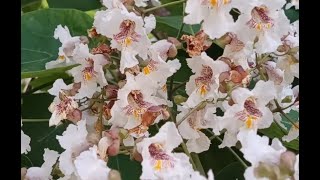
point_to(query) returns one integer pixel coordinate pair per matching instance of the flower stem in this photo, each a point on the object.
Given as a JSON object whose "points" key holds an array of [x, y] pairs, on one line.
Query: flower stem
{"points": [[198, 164], [185, 149], [170, 93], [231, 150], [190, 112], [182, 24], [285, 115], [163, 5], [35, 120]]}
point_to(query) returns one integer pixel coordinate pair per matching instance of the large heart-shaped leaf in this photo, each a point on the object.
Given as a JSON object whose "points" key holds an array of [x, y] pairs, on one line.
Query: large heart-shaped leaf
{"points": [[38, 45], [83, 5]]}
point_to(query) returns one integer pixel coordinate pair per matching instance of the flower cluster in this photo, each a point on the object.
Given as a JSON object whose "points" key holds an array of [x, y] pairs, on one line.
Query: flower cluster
{"points": [[123, 86]]}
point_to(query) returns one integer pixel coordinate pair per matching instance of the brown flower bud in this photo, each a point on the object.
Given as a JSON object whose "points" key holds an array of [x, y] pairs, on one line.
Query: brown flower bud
{"points": [[92, 32], [111, 91], [172, 52], [135, 154], [175, 42], [74, 116], [114, 147], [102, 49], [197, 43]]}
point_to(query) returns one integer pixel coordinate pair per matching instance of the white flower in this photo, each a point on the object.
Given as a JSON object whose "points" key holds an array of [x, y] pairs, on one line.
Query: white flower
{"points": [[238, 51], [140, 3], [25, 142], [160, 48], [249, 111], [158, 69], [264, 157], [203, 85], [69, 43], [214, 13], [90, 167], [62, 105], [90, 72], [290, 65], [150, 23], [263, 19], [73, 140], [143, 3], [136, 103], [127, 33], [294, 3], [191, 126], [158, 159], [43, 172], [112, 4]]}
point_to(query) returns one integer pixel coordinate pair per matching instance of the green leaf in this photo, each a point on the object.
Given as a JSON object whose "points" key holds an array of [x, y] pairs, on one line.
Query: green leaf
{"points": [[219, 159], [38, 45], [42, 136], [292, 14], [274, 132], [83, 5], [172, 24], [175, 10], [35, 106], [232, 171], [129, 169], [47, 72], [35, 113]]}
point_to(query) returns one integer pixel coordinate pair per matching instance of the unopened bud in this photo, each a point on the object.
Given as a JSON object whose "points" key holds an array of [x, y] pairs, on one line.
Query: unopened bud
{"points": [[113, 149], [135, 154], [75, 88], [165, 113], [287, 99], [264, 170], [294, 50], [114, 175], [84, 39], [92, 32], [74, 116], [283, 48], [175, 42], [111, 91], [178, 99], [287, 160], [23, 173], [172, 52]]}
